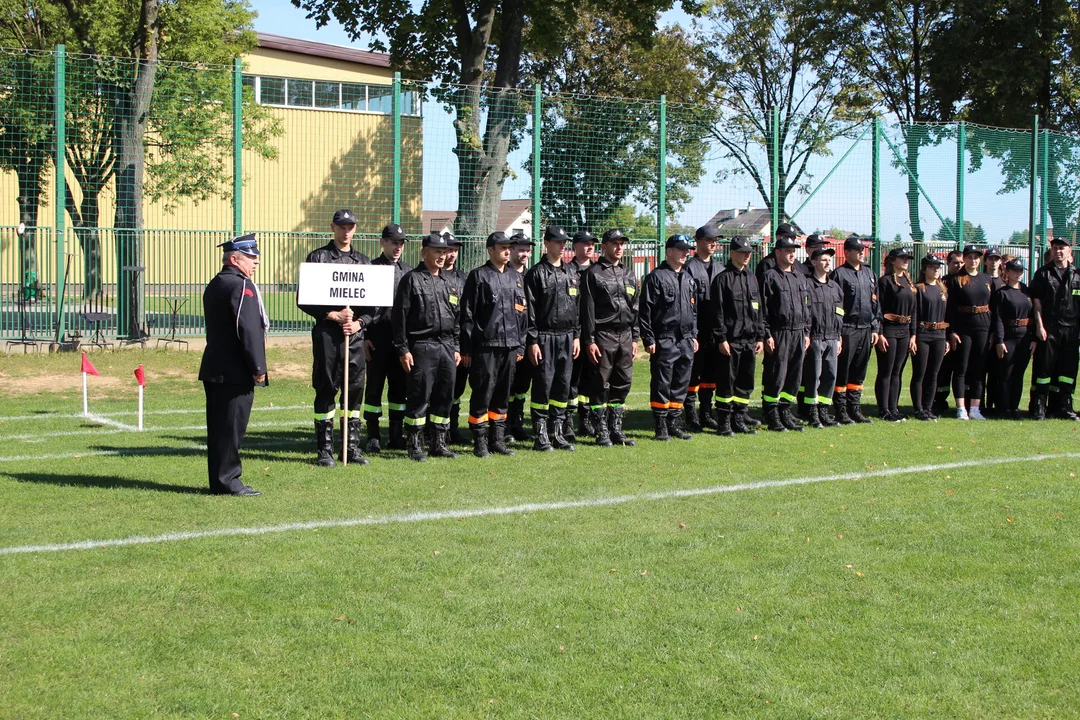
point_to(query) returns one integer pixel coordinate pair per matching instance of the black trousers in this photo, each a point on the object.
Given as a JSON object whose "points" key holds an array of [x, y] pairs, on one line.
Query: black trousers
{"points": [[228, 408], [670, 367], [783, 376], [384, 369], [608, 382], [580, 365], [491, 377], [1009, 371], [890, 372], [852, 362], [703, 373], [1056, 361], [969, 372], [328, 370], [523, 374], [819, 371], [551, 378], [735, 373], [430, 383], [925, 366]]}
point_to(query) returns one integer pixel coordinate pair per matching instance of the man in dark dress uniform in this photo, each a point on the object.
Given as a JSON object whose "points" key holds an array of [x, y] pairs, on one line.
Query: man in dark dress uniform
{"points": [[234, 361], [584, 243], [703, 269], [1055, 299], [332, 326], [523, 371], [456, 278]]}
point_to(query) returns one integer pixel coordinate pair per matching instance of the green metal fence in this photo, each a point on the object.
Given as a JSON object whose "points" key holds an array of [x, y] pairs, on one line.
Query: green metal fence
{"points": [[224, 151]]}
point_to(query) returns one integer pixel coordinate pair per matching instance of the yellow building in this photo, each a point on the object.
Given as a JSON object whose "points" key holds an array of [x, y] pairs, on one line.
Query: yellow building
{"points": [[333, 106]]}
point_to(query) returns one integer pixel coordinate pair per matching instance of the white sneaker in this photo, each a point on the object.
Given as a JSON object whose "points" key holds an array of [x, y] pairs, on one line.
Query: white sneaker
{"points": [[975, 414], [961, 414]]}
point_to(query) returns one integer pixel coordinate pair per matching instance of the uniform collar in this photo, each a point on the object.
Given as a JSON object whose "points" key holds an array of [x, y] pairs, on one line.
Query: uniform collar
{"points": [[336, 252]]}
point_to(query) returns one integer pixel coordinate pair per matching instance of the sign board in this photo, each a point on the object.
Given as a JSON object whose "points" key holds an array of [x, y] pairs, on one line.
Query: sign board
{"points": [[336, 285]]}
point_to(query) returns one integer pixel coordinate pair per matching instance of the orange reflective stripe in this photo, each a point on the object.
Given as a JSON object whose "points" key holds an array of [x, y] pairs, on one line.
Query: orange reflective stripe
{"points": [[693, 388], [675, 406], [707, 386], [854, 387], [495, 417], [840, 388], [659, 405], [478, 420]]}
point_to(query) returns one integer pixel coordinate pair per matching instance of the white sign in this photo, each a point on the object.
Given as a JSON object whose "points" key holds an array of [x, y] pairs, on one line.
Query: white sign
{"points": [[336, 285]]}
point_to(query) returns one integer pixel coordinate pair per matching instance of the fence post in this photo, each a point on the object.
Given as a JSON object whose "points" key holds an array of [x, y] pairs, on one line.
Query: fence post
{"points": [[774, 141], [1044, 189], [536, 130], [961, 171], [396, 210], [238, 146], [875, 196], [661, 200], [1033, 261], [60, 91]]}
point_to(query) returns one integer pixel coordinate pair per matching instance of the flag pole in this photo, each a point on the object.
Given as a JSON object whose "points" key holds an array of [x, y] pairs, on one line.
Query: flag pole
{"points": [[345, 413], [140, 407], [85, 409]]}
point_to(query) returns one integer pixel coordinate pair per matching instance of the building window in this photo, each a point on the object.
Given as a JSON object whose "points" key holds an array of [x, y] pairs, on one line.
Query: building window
{"points": [[328, 95]]}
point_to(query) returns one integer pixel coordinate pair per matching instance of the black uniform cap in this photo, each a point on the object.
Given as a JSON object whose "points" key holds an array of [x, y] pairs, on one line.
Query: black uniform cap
{"points": [[680, 242], [554, 232], [1060, 241], [992, 252], [972, 250], [785, 229], [393, 232], [931, 260], [818, 252], [854, 242], [706, 232], [613, 234], [451, 241], [520, 239], [813, 241], [1015, 265], [497, 238], [434, 240], [900, 253], [739, 244], [784, 242], [344, 217], [584, 236], [245, 244]]}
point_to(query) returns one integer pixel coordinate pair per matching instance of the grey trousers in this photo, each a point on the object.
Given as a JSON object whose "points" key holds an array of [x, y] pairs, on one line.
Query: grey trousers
{"points": [[819, 371]]}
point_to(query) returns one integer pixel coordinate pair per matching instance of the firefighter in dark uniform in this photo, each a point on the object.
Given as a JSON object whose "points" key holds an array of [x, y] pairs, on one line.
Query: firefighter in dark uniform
{"points": [[520, 250], [609, 335], [584, 243], [826, 342], [738, 334], [667, 314], [233, 363], [384, 367], [784, 230], [703, 269], [862, 322], [953, 262], [552, 342], [898, 300], [1011, 309], [967, 310], [787, 336], [456, 278], [492, 342], [992, 266], [930, 344], [1055, 296], [806, 269], [332, 326], [425, 324]]}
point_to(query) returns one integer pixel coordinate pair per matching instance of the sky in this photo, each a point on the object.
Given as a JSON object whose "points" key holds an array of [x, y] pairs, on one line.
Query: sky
{"points": [[843, 201]]}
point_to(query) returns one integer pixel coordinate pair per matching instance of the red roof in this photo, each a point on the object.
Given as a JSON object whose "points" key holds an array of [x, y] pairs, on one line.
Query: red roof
{"points": [[324, 50]]}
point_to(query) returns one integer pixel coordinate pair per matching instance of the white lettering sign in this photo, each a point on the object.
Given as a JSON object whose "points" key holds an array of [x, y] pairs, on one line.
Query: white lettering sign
{"points": [[341, 285]]}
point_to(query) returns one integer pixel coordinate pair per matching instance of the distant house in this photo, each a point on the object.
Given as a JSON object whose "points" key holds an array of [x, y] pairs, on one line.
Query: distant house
{"points": [[515, 216], [750, 221]]}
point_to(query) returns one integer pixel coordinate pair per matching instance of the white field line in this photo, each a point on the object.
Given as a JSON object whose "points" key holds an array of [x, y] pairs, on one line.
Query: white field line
{"points": [[133, 413], [128, 428], [106, 421], [153, 450], [437, 515]]}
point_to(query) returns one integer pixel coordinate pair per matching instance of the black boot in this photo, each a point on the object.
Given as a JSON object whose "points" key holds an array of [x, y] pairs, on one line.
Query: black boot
{"points": [[772, 417], [723, 421], [498, 438], [854, 408], [750, 420], [660, 425], [517, 421], [693, 422], [397, 430], [599, 419], [787, 419], [673, 426], [456, 435], [480, 440], [739, 422], [557, 421], [615, 427], [805, 411], [705, 410], [355, 457], [440, 448], [815, 417], [414, 443], [840, 404], [825, 416], [324, 442], [566, 417], [1038, 406], [373, 444], [1065, 411], [540, 427], [587, 422]]}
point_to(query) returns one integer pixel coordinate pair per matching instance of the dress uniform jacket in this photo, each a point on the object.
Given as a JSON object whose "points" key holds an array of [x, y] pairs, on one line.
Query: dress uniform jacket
{"points": [[608, 300], [493, 304], [667, 313], [552, 298], [329, 253], [735, 302]]}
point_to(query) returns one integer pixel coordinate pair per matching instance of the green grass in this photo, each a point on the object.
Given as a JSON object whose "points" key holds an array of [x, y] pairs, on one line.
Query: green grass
{"points": [[947, 593]]}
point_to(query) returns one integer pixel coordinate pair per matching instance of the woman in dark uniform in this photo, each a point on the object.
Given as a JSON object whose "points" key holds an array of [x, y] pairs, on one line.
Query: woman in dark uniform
{"points": [[968, 315], [1011, 309], [897, 299], [930, 344]]}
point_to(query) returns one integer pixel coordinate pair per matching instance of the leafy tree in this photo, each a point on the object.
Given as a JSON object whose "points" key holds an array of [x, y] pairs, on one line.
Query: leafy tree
{"points": [[599, 151], [948, 232], [786, 54], [475, 51]]}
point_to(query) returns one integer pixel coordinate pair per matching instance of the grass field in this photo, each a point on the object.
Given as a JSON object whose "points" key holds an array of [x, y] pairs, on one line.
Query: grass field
{"points": [[916, 570]]}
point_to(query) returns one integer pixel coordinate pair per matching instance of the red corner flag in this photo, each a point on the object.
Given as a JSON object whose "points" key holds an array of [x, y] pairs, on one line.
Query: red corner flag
{"points": [[88, 367], [140, 376]]}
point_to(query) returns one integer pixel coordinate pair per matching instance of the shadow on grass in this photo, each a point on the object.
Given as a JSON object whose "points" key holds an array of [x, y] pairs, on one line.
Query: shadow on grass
{"points": [[103, 481]]}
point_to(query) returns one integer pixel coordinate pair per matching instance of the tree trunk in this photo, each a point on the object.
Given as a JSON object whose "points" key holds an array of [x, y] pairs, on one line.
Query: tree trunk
{"points": [[912, 166], [30, 182], [132, 109], [85, 219]]}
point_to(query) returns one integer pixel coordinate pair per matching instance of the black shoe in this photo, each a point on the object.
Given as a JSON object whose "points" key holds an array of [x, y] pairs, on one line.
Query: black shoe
{"points": [[498, 438], [374, 444], [414, 443], [567, 420], [787, 420], [540, 420], [661, 428], [825, 417], [815, 418], [924, 415], [855, 413], [690, 415], [557, 424], [587, 422], [440, 448], [1014, 415], [480, 441], [723, 424], [615, 427], [740, 424], [841, 412], [599, 421], [673, 427], [247, 491], [324, 442], [772, 419]]}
